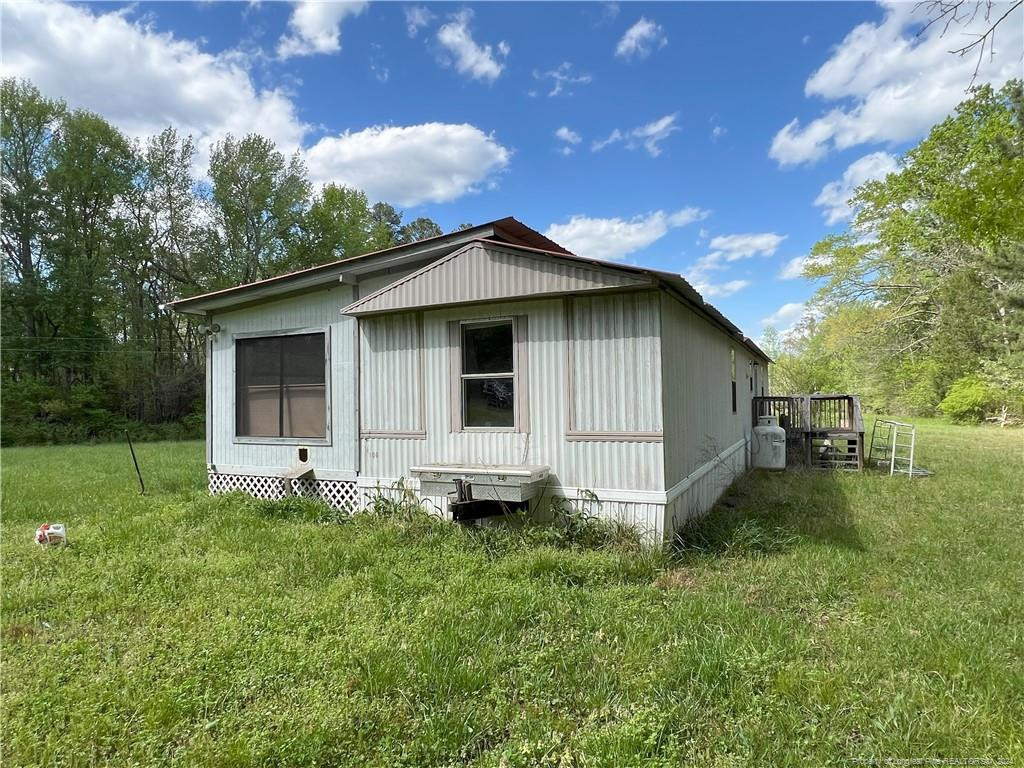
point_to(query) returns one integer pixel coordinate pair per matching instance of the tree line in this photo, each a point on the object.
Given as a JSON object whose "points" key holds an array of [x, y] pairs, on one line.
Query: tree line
{"points": [[99, 230], [920, 307]]}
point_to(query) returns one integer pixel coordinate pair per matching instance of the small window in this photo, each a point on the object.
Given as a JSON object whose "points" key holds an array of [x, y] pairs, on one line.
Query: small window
{"points": [[281, 386], [732, 357], [488, 374]]}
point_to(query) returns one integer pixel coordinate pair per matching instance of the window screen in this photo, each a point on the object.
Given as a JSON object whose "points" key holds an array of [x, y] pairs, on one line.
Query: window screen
{"points": [[281, 386], [488, 375]]}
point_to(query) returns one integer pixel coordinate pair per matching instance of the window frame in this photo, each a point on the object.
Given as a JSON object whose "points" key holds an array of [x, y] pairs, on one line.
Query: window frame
{"points": [[520, 408], [263, 440]]}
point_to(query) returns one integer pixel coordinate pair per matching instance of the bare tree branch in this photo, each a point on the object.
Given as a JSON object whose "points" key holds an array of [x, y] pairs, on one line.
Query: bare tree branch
{"points": [[948, 13]]}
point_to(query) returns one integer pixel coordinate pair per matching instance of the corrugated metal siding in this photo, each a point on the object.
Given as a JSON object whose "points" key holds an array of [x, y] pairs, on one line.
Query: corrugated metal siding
{"points": [[372, 283], [699, 422], [616, 357], [490, 273], [595, 465], [314, 310], [391, 352]]}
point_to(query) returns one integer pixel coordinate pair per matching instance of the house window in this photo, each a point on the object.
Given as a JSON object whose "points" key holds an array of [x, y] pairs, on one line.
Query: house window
{"points": [[732, 358], [488, 374], [281, 386]]}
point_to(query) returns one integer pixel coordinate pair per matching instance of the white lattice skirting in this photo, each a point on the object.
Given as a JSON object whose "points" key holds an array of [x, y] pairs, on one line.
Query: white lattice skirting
{"points": [[341, 494]]}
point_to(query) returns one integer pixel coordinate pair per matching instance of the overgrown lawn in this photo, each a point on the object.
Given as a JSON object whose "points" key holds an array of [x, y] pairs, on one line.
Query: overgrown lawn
{"points": [[810, 620]]}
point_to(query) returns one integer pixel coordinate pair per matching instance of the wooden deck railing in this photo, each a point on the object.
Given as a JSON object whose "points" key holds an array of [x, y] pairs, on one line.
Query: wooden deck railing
{"points": [[816, 424], [811, 413]]}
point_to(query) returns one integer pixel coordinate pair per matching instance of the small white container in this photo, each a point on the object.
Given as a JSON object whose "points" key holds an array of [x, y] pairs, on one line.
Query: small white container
{"points": [[51, 533], [769, 447]]}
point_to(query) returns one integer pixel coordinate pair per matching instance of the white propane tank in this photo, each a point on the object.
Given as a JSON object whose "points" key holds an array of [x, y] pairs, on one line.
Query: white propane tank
{"points": [[769, 451]]}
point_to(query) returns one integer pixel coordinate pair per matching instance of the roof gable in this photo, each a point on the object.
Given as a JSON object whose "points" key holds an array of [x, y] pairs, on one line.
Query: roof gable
{"points": [[487, 271], [508, 230]]}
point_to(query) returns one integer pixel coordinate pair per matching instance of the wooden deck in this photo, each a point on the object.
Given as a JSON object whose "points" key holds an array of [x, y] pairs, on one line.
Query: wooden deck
{"points": [[822, 431]]}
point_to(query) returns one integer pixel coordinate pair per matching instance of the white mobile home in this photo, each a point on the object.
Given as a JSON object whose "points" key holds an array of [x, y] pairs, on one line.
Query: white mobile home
{"points": [[491, 355]]}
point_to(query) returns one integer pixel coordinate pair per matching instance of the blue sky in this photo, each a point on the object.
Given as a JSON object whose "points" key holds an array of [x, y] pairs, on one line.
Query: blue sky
{"points": [[718, 140]]}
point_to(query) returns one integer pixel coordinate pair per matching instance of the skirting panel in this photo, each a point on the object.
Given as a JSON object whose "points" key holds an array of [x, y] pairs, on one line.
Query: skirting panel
{"points": [[656, 520], [705, 486], [341, 494], [648, 518]]}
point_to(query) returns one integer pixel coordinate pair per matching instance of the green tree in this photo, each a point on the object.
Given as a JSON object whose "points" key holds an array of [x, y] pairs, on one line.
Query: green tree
{"points": [[385, 226], [935, 253], [158, 373], [419, 229], [93, 168], [337, 226], [258, 202], [27, 123]]}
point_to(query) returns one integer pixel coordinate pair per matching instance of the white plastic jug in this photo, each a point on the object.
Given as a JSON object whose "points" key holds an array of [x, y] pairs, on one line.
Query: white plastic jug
{"points": [[51, 533]]}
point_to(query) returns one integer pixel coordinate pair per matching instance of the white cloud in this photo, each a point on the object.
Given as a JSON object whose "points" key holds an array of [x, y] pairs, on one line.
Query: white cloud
{"points": [[565, 133], [570, 137], [718, 132], [417, 17], [616, 238], [161, 80], [793, 268], [155, 80], [381, 71], [640, 39], [561, 76], [835, 195], [787, 314], [719, 290], [793, 145], [805, 39], [899, 83], [315, 27], [735, 247], [410, 165], [787, 319], [469, 57], [649, 136], [726, 249]]}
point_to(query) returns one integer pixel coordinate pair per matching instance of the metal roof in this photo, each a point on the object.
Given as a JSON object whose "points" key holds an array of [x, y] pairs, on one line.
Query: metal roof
{"points": [[506, 230], [675, 284]]}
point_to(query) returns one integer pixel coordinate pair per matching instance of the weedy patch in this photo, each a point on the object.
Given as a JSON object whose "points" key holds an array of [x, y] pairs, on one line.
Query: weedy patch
{"points": [[818, 620], [17, 632], [677, 578]]}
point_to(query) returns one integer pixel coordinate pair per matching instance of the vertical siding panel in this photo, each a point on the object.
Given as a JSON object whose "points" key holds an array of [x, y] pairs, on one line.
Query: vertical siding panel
{"points": [[696, 378], [390, 375], [318, 309], [616, 351], [594, 465]]}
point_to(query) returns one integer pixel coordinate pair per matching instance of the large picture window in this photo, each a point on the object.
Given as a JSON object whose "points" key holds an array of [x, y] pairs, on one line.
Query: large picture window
{"points": [[281, 386], [488, 374]]}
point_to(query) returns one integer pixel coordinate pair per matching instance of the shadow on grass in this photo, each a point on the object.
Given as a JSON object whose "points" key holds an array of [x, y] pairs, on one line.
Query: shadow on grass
{"points": [[765, 514]]}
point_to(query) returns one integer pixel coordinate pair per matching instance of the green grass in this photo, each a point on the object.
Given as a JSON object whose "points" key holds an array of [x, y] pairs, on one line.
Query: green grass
{"points": [[817, 620]]}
